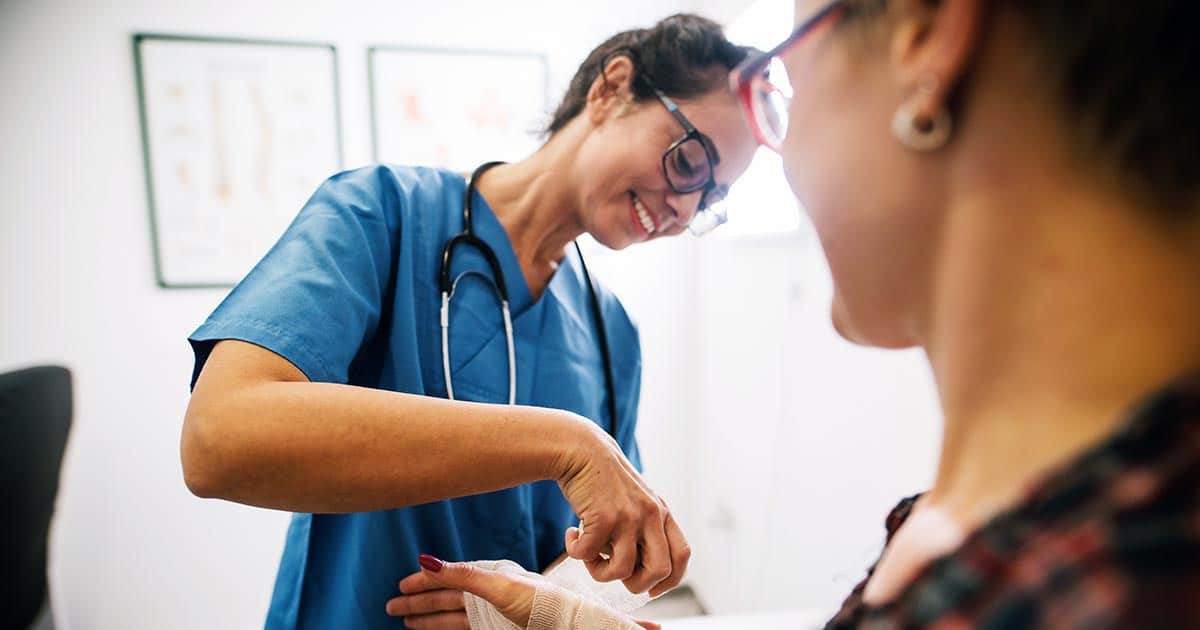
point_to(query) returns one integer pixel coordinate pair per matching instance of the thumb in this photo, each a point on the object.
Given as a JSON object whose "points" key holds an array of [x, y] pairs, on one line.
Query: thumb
{"points": [[586, 546], [572, 538], [463, 576]]}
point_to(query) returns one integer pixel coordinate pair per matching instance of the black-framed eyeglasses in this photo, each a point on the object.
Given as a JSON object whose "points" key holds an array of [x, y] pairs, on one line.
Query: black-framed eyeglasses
{"points": [[688, 166], [765, 101]]}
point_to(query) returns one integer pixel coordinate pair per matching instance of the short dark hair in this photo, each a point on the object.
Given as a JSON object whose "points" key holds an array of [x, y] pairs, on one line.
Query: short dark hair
{"points": [[1130, 73], [1128, 77], [684, 55]]}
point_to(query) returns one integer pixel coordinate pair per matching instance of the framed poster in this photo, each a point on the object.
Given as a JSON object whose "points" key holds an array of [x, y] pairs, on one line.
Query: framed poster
{"points": [[455, 109], [237, 134]]}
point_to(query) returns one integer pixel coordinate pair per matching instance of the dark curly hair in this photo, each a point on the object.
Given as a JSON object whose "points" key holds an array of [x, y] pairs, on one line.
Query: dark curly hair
{"points": [[684, 55]]}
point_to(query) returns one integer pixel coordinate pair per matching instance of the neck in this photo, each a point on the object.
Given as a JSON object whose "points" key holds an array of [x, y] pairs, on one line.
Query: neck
{"points": [[1057, 305], [534, 203]]}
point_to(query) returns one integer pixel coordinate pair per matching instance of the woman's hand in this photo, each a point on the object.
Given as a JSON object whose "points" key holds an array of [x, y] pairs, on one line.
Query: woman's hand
{"points": [[426, 605], [627, 532], [511, 595]]}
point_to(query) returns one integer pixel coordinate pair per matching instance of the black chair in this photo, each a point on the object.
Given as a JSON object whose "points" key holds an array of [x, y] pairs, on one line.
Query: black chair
{"points": [[35, 417]]}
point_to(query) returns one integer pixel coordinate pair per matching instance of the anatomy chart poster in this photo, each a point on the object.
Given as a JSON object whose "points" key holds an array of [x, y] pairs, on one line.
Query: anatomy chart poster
{"points": [[238, 136], [456, 109]]}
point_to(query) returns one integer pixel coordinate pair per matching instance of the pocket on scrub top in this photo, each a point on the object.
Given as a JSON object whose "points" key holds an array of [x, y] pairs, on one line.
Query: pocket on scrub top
{"points": [[505, 515], [478, 360]]}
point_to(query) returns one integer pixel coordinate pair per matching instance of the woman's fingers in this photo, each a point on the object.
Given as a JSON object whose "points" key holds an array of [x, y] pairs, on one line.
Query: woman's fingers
{"points": [[649, 625], [619, 511], [644, 559], [439, 621], [681, 555], [572, 538], [589, 542], [654, 557], [510, 594], [425, 603], [619, 565], [464, 577], [417, 583], [655, 562]]}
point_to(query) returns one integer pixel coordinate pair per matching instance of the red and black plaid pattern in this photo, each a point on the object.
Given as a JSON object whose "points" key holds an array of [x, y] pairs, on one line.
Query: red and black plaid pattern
{"points": [[1112, 540]]}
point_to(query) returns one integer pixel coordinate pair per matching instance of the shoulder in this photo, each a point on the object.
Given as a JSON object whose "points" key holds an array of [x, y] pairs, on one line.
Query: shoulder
{"points": [[1133, 571], [899, 515], [391, 194], [399, 183], [1130, 556]]}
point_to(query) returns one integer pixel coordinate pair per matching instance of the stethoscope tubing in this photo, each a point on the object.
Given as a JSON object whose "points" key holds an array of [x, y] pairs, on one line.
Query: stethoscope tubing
{"points": [[447, 288]]}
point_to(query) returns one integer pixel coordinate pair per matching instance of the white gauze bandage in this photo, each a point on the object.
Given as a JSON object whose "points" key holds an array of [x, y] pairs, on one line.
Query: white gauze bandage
{"points": [[567, 598]]}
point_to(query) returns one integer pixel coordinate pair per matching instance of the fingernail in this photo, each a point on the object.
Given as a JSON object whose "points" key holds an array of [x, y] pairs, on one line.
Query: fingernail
{"points": [[429, 562]]}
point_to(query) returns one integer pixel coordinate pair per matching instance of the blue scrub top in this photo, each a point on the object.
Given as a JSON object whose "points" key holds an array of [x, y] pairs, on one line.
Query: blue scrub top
{"points": [[349, 294]]}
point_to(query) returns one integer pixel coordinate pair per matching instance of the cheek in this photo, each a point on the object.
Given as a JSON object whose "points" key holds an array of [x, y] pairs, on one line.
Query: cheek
{"points": [[821, 147], [609, 164], [838, 146], [846, 171], [607, 168], [880, 261]]}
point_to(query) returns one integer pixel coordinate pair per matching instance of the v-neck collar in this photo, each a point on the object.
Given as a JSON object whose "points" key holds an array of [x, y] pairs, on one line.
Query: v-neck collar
{"points": [[520, 298]]}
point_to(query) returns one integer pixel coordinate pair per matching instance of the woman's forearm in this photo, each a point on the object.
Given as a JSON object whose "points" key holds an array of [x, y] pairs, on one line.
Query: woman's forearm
{"points": [[320, 447]]}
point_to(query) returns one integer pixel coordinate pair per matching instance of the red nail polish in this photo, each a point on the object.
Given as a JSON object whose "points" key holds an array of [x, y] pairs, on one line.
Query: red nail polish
{"points": [[429, 562]]}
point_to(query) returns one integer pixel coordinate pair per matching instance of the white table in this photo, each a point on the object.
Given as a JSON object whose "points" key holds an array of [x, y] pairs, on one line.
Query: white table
{"points": [[789, 620]]}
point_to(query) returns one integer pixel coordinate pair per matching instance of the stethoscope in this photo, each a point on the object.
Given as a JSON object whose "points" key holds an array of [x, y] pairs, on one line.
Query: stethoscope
{"points": [[500, 288]]}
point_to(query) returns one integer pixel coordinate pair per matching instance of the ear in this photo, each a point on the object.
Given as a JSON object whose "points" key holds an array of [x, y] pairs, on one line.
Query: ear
{"points": [[932, 47], [611, 91]]}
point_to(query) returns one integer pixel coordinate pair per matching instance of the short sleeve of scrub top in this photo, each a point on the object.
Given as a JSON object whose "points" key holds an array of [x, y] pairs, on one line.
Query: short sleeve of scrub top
{"points": [[349, 295]]}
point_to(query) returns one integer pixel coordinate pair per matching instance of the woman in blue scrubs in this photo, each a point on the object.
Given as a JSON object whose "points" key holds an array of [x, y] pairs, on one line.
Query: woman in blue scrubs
{"points": [[318, 385]]}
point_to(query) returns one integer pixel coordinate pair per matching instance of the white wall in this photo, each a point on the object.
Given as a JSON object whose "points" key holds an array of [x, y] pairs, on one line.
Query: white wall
{"points": [[780, 446], [802, 441], [131, 548]]}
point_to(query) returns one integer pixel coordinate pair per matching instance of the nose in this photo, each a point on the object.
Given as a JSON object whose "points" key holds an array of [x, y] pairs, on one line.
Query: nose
{"points": [[684, 206]]}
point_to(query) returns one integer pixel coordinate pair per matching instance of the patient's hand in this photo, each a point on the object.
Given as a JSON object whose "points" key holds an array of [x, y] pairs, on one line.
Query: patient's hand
{"points": [[512, 595], [427, 605]]}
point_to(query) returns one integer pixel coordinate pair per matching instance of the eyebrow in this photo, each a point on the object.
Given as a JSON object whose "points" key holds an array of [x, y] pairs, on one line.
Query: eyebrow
{"points": [[688, 126]]}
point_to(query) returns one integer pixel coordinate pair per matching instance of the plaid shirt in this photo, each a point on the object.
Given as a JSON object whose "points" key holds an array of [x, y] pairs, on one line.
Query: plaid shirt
{"points": [[1112, 540]]}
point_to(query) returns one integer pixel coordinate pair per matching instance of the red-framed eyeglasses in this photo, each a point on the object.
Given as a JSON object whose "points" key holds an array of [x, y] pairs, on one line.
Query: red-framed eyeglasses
{"points": [[765, 102]]}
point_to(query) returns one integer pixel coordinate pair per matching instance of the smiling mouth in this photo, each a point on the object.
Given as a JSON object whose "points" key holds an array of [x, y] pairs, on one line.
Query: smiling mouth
{"points": [[644, 218]]}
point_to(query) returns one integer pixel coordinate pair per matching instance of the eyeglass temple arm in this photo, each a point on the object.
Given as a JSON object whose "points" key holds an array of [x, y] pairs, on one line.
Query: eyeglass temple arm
{"points": [[758, 65], [674, 109]]}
